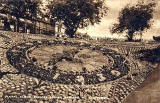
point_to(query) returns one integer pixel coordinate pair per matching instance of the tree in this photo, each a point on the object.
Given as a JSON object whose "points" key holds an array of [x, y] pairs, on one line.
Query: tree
{"points": [[15, 8], [77, 13], [134, 19], [20, 9], [33, 11]]}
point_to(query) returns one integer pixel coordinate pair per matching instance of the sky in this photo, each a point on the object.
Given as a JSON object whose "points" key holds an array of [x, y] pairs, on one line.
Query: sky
{"points": [[115, 6]]}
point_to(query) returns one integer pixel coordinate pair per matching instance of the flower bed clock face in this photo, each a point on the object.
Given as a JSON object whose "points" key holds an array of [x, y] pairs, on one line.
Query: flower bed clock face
{"points": [[69, 58], [68, 63]]}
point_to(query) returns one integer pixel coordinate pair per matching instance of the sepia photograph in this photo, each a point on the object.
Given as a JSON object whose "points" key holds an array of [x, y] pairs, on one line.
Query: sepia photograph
{"points": [[79, 51]]}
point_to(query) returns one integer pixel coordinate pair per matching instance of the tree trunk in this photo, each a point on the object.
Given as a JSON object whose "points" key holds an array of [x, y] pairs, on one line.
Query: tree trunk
{"points": [[6, 25], [24, 27], [130, 39], [18, 21], [141, 36], [39, 28], [35, 29], [15, 26], [54, 28], [70, 32], [130, 35]]}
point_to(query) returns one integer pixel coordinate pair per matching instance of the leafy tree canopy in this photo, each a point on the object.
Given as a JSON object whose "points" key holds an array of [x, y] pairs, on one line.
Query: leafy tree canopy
{"points": [[134, 19], [77, 13], [20, 8]]}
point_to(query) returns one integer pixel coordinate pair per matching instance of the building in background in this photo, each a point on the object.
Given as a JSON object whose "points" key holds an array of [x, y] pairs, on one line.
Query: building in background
{"points": [[8, 22]]}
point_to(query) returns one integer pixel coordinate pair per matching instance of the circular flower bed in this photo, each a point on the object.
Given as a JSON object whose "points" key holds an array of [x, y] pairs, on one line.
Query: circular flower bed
{"points": [[110, 66]]}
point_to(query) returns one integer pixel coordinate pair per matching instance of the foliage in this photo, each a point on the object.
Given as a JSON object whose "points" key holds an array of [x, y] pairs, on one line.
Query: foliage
{"points": [[32, 9], [150, 55], [134, 19], [77, 13], [20, 8]]}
